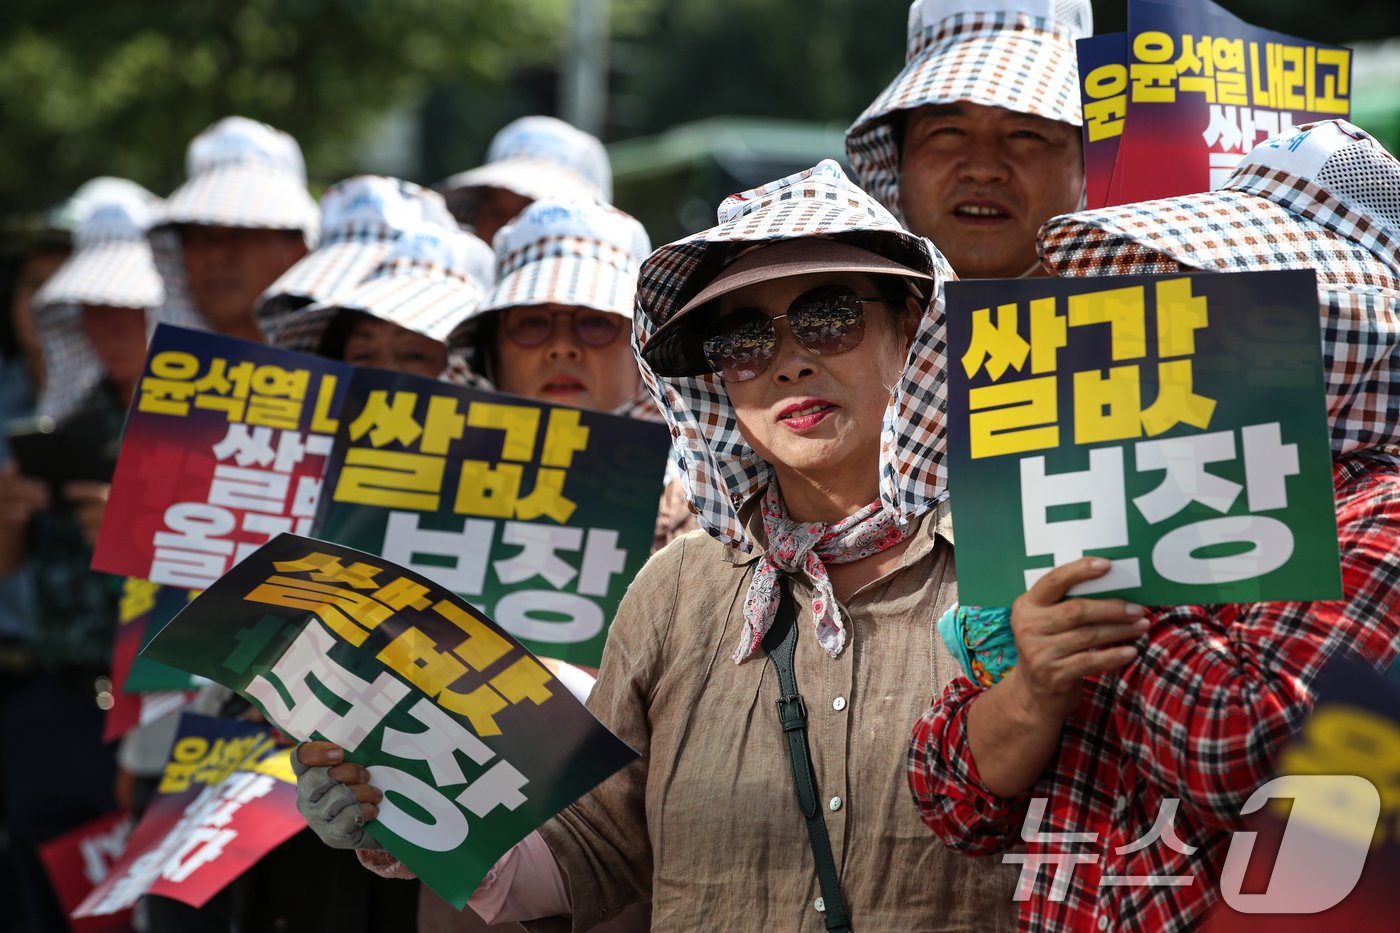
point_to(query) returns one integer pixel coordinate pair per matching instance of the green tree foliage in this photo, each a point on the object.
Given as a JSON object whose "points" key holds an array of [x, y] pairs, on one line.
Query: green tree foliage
{"points": [[119, 87]]}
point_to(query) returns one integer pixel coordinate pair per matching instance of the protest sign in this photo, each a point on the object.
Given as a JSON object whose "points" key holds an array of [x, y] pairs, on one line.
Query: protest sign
{"points": [[144, 609], [1323, 847], [224, 448], [1174, 424], [227, 797], [472, 740], [1194, 90], [143, 690], [539, 516], [79, 860]]}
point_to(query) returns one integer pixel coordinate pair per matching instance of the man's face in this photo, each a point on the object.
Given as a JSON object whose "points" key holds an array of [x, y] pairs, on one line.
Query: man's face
{"points": [[979, 181], [229, 267]]}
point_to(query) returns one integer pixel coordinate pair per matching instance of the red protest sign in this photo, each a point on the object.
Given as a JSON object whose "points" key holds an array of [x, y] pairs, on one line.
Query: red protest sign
{"points": [[224, 449], [227, 798], [1173, 106], [79, 860]]}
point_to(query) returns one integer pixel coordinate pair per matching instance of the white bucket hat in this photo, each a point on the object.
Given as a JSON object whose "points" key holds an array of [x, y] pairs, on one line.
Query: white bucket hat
{"points": [[431, 278], [361, 217], [111, 264], [1016, 54], [580, 253], [542, 157], [244, 174], [1324, 196], [570, 253], [720, 471]]}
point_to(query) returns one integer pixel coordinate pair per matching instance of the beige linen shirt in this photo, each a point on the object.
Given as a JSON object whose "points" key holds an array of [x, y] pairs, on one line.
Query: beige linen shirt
{"points": [[706, 823]]}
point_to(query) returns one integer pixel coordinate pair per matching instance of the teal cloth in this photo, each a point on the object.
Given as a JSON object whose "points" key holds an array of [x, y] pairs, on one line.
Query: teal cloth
{"points": [[981, 639]]}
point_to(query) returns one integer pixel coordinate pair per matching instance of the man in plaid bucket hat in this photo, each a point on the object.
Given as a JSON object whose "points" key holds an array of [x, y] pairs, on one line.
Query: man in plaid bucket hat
{"points": [[796, 351], [1194, 714], [976, 142], [529, 159], [241, 219], [91, 319]]}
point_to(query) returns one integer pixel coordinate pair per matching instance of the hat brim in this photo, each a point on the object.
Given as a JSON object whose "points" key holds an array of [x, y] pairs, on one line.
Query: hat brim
{"points": [[118, 273], [674, 349], [327, 272], [535, 179], [246, 197], [572, 281], [1223, 231]]}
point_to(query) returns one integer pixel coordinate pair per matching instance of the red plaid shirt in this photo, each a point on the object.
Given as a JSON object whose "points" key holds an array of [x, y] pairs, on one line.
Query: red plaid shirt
{"points": [[1199, 717]]}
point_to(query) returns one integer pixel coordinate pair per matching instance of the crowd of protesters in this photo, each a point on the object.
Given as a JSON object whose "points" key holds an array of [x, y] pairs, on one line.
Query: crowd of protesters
{"points": [[797, 351]]}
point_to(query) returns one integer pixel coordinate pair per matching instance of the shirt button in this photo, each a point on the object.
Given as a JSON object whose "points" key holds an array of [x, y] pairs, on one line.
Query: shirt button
{"points": [[835, 803], [820, 905], [838, 704], [1103, 921]]}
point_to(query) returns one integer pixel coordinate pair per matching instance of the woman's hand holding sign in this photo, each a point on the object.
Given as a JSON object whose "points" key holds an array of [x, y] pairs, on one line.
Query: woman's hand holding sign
{"points": [[335, 796], [1014, 728]]}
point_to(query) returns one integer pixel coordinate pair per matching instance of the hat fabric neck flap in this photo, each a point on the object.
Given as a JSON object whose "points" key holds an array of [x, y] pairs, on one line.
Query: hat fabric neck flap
{"points": [[719, 471]]}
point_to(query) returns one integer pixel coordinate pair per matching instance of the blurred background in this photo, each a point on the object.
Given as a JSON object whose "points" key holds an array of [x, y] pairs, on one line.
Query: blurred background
{"points": [[696, 98]]}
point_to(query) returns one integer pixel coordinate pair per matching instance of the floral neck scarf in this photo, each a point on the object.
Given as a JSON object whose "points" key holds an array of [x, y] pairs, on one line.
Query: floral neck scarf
{"points": [[806, 548]]}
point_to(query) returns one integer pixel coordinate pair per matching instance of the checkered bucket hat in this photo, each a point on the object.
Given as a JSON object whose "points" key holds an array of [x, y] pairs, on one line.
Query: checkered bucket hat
{"points": [[111, 265], [719, 470], [242, 173], [430, 279], [567, 252], [361, 217], [1324, 196], [1016, 54], [541, 157]]}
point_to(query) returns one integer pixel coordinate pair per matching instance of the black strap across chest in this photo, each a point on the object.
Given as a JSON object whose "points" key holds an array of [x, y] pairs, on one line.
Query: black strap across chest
{"points": [[781, 644]]}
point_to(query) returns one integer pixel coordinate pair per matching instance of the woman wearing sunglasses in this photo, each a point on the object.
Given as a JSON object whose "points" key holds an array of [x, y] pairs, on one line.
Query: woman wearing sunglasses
{"points": [[796, 351], [555, 326]]}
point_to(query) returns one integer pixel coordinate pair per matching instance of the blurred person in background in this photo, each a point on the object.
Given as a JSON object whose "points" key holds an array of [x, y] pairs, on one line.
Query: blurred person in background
{"points": [[976, 142], [529, 159], [21, 371], [241, 220], [91, 318]]}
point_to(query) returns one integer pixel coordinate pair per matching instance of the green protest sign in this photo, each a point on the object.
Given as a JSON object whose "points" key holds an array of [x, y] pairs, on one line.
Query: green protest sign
{"points": [[538, 515], [474, 742], [1175, 424]]}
